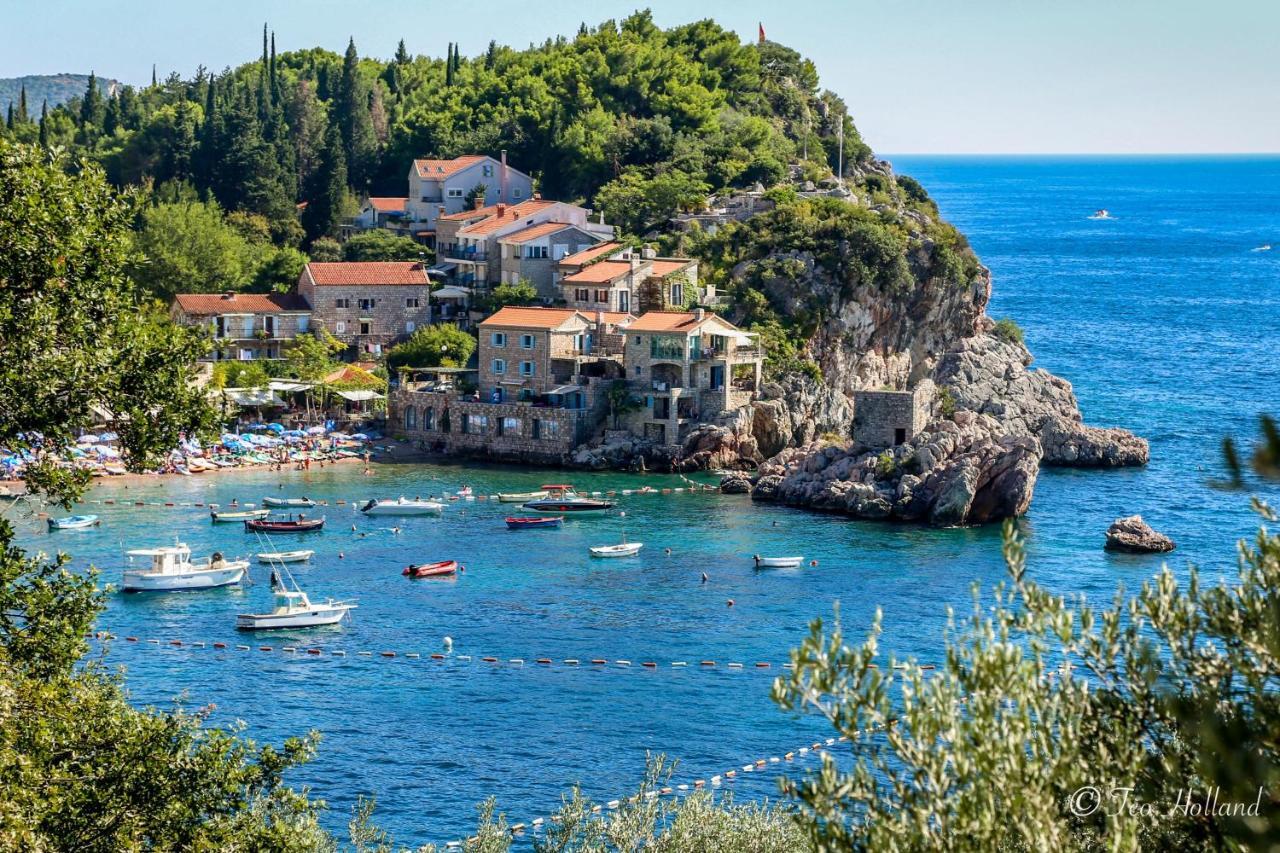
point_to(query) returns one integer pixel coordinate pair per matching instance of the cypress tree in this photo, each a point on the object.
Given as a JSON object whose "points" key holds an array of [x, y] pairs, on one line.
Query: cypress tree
{"points": [[8, 122], [351, 112], [457, 59], [327, 187], [153, 75], [23, 116], [275, 80], [448, 66], [402, 55], [111, 116], [491, 55], [44, 130], [91, 106]]}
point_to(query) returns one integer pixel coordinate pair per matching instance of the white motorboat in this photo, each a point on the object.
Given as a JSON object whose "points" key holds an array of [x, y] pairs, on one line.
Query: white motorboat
{"points": [[285, 556], [237, 515], [563, 500], [777, 562], [625, 549], [289, 502], [402, 506], [172, 569], [73, 522], [293, 609], [519, 497]]}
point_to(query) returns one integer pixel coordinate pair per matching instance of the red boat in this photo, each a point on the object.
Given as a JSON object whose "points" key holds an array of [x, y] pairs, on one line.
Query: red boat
{"points": [[444, 568], [301, 524], [534, 522]]}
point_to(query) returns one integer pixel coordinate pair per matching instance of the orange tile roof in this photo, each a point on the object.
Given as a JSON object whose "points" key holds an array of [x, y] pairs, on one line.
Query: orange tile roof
{"points": [[208, 304], [670, 321], [533, 232], [439, 169], [530, 318], [665, 267], [615, 318], [588, 255], [367, 272], [387, 204], [509, 215], [601, 272]]}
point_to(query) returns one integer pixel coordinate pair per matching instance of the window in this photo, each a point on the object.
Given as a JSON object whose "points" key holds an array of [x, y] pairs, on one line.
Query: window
{"points": [[342, 303], [498, 339], [637, 370], [365, 327], [535, 251], [581, 294], [526, 341], [637, 340], [409, 326], [602, 296], [624, 301], [535, 428], [499, 366], [410, 418], [454, 193], [367, 304], [411, 302], [515, 193], [487, 170], [475, 424], [526, 368], [429, 418], [551, 429], [340, 327], [510, 426], [677, 294]]}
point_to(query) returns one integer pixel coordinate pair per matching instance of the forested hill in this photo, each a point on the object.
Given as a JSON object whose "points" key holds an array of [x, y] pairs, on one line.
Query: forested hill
{"points": [[54, 89], [663, 116]]}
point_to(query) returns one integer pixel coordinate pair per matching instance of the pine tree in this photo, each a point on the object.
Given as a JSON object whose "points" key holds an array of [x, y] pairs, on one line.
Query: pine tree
{"points": [[351, 111], [491, 55], [402, 55], [44, 130], [91, 106], [327, 188]]}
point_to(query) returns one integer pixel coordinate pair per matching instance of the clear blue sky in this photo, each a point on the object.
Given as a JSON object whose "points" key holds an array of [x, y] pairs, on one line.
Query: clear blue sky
{"points": [[985, 76]]}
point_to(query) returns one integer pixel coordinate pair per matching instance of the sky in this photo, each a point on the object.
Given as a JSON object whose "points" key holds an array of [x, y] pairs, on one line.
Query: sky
{"points": [[920, 76]]}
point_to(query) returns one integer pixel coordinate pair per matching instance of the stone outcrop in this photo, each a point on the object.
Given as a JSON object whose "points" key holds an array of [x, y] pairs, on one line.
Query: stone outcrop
{"points": [[962, 471], [1072, 443], [1135, 536]]}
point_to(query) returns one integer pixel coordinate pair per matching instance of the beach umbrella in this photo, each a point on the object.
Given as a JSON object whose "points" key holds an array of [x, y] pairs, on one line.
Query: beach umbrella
{"points": [[87, 438], [276, 428], [108, 436], [103, 450], [360, 437], [316, 430], [294, 432], [257, 427]]}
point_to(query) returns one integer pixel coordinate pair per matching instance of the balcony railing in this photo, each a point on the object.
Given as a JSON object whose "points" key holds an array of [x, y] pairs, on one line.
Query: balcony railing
{"points": [[733, 353]]}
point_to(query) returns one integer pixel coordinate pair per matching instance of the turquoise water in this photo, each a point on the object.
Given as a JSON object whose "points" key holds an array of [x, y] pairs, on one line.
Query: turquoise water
{"points": [[1163, 319]]}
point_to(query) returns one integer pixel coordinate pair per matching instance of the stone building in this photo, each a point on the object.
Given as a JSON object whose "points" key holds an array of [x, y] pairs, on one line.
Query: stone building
{"points": [[689, 368], [367, 305], [529, 253], [442, 186], [630, 280], [245, 326], [543, 354], [883, 419]]}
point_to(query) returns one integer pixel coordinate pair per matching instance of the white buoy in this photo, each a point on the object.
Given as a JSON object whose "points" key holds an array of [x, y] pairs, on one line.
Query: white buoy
{"points": [[448, 644]]}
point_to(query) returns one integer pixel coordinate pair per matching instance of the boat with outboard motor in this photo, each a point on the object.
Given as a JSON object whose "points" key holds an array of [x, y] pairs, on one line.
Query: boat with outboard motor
{"points": [[172, 569], [402, 506], [237, 515], [301, 524], [534, 523], [562, 499], [73, 522], [293, 609], [441, 569]]}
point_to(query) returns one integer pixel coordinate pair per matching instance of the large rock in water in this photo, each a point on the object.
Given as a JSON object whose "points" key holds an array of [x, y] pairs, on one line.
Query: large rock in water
{"points": [[1135, 536], [1068, 442]]}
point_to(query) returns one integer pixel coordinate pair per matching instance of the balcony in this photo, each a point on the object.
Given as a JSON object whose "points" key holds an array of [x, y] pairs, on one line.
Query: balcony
{"points": [[674, 351], [466, 255], [730, 353]]}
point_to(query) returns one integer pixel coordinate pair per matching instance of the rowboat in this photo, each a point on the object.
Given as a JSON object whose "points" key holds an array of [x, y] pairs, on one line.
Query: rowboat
{"points": [[293, 609], [172, 569], [285, 556], [777, 562], [623, 549], [402, 506], [444, 568], [562, 499], [284, 525], [72, 522], [519, 497], [289, 502], [535, 523], [238, 515]]}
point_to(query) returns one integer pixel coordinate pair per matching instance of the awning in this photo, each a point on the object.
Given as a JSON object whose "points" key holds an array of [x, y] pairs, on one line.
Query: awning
{"points": [[443, 268], [252, 397], [288, 387], [564, 389], [359, 396], [450, 292]]}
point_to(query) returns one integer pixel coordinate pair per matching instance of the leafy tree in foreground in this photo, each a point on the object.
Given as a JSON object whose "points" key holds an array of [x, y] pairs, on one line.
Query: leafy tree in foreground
{"points": [[381, 245], [437, 345]]}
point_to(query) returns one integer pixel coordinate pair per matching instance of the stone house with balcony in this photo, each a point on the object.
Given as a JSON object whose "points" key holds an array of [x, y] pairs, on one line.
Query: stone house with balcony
{"points": [[383, 212], [628, 280], [530, 252], [689, 368], [368, 305], [245, 326], [442, 186]]}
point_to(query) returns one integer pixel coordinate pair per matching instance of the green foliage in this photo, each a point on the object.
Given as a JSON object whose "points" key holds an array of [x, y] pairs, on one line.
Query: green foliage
{"points": [[946, 403], [437, 345], [325, 250], [310, 358], [1008, 331], [637, 203], [621, 401], [382, 245], [886, 465], [521, 292], [239, 374], [188, 247]]}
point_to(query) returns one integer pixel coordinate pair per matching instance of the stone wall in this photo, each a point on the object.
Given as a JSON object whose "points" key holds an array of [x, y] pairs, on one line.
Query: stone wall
{"points": [[509, 431], [390, 317], [888, 418]]}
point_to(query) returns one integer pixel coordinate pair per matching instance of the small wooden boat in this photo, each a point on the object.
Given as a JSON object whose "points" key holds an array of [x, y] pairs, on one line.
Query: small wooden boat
{"points": [[72, 522], [777, 562], [284, 525], [238, 515], [562, 499], [623, 549], [519, 497], [289, 502], [402, 506], [533, 523], [285, 556], [444, 568]]}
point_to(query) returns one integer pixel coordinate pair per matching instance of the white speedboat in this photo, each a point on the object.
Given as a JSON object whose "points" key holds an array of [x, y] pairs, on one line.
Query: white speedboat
{"points": [[72, 522], [293, 609], [233, 516], [623, 549], [777, 562], [402, 506], [519, 497], [289, 502], [563, 500], [285, 556], [172, 569]]}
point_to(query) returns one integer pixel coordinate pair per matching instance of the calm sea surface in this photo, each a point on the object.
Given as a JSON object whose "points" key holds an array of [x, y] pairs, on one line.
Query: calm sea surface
{"points": [[1164, 319]]}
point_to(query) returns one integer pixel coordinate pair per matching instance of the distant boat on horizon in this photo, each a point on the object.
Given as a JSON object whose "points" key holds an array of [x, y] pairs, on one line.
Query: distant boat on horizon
{"points": [[1265, 247]]}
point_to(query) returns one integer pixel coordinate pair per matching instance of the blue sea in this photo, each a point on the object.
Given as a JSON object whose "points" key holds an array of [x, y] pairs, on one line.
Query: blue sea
{"points": [[1165, 318]]}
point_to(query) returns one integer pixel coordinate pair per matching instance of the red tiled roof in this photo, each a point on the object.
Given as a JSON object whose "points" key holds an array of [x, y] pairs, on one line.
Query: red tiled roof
{"points": [[664, 268], [533, 232], [601, 272], [208, 304], [616, 318], [671, 321], [387, 204], [509, 215], [529, 318], [367, 272], [444, 168], [588, 255]]}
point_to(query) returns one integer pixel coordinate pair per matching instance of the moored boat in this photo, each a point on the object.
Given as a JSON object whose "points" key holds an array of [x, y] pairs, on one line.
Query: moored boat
{"points": [[289, 502], [237, 515], [443, 568], [777, 562], [623, 549], [519, 497], [72, 522], [300, 556], [534, 523], [402, 506], [301, 524], [172, 569], [293, 609], [562, 499]]}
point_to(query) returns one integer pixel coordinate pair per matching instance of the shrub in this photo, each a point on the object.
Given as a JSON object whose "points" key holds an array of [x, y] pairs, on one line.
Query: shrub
{"points": [[885, 465], [946, 403], [1008, 331]]}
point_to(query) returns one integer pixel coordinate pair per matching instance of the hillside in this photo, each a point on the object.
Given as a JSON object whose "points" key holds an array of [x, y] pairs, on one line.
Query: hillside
{"points": [[57, 89]]}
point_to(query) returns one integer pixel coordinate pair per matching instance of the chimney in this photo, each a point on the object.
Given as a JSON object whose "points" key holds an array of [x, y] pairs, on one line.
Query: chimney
{"points": [[600, 318], [440, 211], [648, 253], [502, 191], [635, 262], [228, 294], [477, 203], [537, 196], [502, 210], [699, 314]]}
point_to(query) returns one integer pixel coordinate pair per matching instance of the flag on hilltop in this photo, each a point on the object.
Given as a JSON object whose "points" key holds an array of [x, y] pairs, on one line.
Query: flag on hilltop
{"points": [[761, 33]]}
